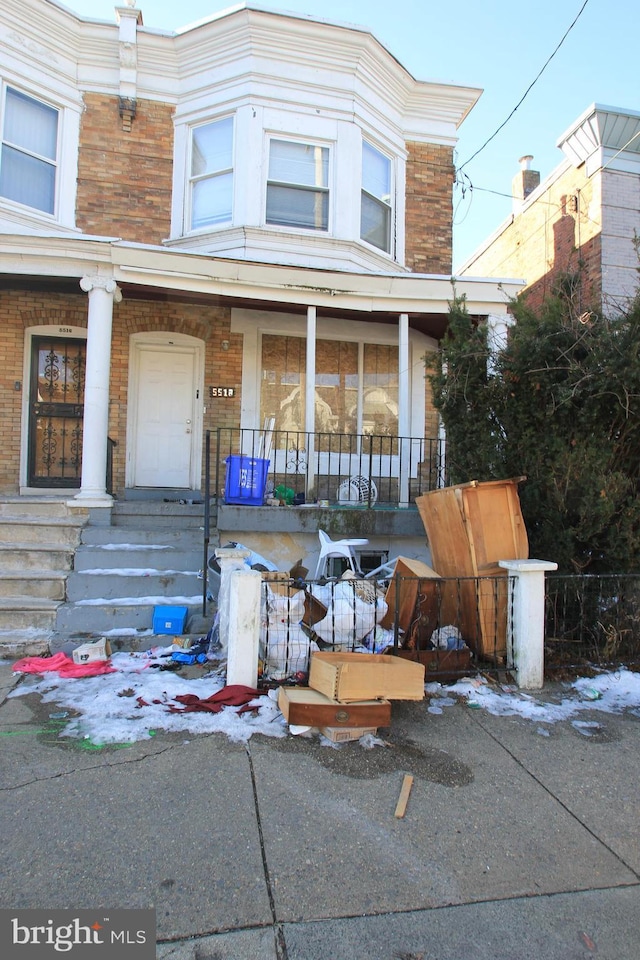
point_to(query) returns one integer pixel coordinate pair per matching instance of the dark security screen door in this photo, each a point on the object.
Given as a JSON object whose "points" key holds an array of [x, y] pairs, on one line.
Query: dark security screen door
{"points": [[56, 411]]}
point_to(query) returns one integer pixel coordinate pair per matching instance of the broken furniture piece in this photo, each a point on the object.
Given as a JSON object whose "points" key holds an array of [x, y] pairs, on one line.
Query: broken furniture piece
{"points": [[470, 527]]}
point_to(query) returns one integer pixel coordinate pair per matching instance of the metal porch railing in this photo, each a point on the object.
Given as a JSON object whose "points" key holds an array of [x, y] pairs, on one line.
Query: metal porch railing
{"points": [[334, 468]]}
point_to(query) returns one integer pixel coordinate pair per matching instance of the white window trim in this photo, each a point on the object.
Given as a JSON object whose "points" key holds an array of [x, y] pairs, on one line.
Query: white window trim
{"points": [[189, 180], [393, 205], [67, 147], [311, 141]]}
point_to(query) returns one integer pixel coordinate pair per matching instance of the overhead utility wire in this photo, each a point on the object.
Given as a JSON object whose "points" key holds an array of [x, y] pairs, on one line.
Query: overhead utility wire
{"points": [[529, 88]]}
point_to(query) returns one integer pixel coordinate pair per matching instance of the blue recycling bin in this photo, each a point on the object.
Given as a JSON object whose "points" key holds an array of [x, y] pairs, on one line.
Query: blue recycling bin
{"points": [[246, 480]]}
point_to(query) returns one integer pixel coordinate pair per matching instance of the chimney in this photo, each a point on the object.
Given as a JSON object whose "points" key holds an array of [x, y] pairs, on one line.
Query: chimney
{"points": [[524, 182]]}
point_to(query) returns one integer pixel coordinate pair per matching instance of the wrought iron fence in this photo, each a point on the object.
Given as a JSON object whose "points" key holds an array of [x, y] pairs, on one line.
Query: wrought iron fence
{"points": [[353, 469], [452, 626], [592, 619]]}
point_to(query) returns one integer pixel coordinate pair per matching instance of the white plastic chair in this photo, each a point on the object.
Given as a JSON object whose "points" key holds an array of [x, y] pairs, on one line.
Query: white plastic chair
{"points": [[338, 548]]}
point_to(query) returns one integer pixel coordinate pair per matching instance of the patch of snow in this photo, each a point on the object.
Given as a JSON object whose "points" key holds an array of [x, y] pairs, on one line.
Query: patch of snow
{"points": [[610, 692], [137, 601], [109, 711], [137, 572], [130, 546]]}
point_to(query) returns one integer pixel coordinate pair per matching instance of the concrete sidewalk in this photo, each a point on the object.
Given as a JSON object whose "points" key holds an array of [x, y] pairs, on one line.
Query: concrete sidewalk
{"points": [[514, 845]]}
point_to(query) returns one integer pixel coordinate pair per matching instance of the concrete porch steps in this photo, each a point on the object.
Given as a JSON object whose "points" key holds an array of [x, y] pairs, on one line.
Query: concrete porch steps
{"points": [[38, 538], [63, 581], [150, 556]]}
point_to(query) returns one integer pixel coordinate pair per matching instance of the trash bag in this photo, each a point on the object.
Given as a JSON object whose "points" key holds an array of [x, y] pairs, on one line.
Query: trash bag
{"points": [[447, 638], [283, 644], [352, 613]]}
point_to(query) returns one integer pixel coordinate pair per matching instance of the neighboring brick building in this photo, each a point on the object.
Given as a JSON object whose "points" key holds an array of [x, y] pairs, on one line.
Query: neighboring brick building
{"points": [[580, 222], [246, 220]]}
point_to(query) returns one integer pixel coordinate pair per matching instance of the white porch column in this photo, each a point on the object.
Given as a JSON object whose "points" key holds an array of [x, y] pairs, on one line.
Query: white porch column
{"points": [[497, 330], [525, 625], [404, 410], [230, 560], [310, 397], [244, 627], [102, 294]]}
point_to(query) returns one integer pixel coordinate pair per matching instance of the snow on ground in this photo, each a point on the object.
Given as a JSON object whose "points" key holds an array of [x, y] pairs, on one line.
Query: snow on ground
{"points": [[106, 710], [610, 692], [109, 712], [136, 601], [138, 572]]}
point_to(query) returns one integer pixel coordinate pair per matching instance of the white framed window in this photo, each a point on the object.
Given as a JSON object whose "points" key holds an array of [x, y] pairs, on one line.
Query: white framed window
{"points": [[211, 174], [375, 204], [29, 156], [298, 185]]}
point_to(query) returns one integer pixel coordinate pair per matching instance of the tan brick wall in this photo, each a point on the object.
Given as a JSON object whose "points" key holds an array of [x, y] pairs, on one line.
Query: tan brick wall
{"points": [[20, 309], [222, 368], [553, 235], [125, 178], [428, 220]]}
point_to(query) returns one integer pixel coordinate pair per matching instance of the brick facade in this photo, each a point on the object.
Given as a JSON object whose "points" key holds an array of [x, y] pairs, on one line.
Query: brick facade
{"points": [[209, 324], [22, 309], [428, 218], [557, 233], [125, 177]]}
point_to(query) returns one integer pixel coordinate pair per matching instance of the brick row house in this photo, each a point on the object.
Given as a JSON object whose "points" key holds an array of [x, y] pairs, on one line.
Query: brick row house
{"points": [[240, 224], [579, 223]]}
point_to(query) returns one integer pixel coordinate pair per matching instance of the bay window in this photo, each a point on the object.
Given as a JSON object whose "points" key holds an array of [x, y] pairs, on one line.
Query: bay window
{"points": [[298, 185], [375, 209], [211, 178], [29, 158]]}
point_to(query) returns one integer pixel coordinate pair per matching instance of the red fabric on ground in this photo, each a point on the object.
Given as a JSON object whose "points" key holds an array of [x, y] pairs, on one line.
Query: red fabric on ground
{"points": [[63, 666], [235, 695]]}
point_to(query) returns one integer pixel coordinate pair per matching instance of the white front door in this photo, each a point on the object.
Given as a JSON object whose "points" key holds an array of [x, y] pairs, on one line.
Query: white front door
{"points": [[165, 413]]}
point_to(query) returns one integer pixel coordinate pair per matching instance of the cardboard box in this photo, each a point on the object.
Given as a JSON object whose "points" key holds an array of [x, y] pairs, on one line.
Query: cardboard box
{"points": [[91, 652], [346, 734], [350, 677], [307, 707]]}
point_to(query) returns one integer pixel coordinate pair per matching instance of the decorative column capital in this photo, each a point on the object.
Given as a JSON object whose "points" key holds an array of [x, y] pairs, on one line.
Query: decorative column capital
{"points": [[108, 284]]}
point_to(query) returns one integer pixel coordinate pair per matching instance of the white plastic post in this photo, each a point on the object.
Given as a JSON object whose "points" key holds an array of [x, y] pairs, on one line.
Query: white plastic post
{"points": [[525, 623], [229, 559], [244, 627]]}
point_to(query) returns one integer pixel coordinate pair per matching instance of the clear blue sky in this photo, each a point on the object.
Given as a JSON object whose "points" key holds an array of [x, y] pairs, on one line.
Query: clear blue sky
{"points": [[497, 45]]}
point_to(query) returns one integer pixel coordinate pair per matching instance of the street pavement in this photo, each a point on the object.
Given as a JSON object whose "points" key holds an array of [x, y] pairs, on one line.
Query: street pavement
{"points": [[514, 845]]}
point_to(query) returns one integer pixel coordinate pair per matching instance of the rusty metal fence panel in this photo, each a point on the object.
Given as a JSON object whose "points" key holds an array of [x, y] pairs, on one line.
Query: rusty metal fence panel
{"points": [[592, 619]]}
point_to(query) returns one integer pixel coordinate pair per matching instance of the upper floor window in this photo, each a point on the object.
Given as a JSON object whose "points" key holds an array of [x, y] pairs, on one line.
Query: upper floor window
{"points": [[28, 162], [375, 209], [298, 185], [211, 173]]}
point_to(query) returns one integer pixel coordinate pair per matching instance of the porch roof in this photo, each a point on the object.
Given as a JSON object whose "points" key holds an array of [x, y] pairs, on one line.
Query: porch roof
{"points": [[57, 262]]}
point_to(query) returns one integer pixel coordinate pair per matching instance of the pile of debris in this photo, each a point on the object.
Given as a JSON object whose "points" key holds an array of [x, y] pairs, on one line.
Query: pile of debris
{"points": [[349, 694]]}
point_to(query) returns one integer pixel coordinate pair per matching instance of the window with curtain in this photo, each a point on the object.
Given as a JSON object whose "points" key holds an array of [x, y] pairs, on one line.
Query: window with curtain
{"points": [[283, 381], [375, 209], [345, 377], [298, 185], [380, 390], [28, 162], [211, 178]]}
